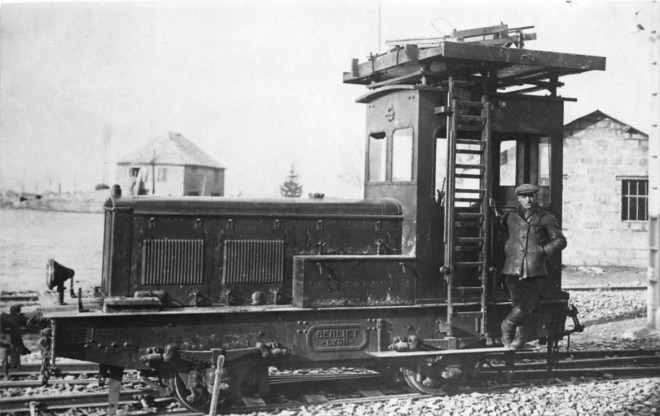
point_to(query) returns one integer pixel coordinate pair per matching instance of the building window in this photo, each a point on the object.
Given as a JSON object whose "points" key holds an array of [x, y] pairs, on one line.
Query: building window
{"points": [[634, 200], [161, 175]]}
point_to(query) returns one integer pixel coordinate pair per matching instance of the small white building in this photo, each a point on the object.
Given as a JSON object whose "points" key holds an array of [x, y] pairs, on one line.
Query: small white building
{"points": [[606, 187], [171, 165]]}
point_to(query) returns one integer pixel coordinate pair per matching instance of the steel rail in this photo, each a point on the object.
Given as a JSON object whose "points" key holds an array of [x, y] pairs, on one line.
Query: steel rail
{"points": [[588, 354], [65, 368], [645, 371], [8, 384], [591, 363], [73, 400], [99, 399]]}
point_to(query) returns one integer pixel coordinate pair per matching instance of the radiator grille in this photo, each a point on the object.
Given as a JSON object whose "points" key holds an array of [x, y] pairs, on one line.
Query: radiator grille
{"points": [[172, 262], [254, 261]]}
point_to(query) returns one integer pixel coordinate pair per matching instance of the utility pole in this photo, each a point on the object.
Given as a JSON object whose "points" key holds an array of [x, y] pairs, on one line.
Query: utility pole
{"points": [[153, 173], [107, 153], [380, 5], [653, 291]]}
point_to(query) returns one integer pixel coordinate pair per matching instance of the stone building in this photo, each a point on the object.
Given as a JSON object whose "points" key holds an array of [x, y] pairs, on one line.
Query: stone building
{"points": [[171, 165], [605, 214]]}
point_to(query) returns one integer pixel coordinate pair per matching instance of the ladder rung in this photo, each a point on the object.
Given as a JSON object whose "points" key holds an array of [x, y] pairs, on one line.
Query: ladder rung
{"points": [[470, 151], [469, 190], [467, 175], [465, 117], [466, 304], [468, 224], [475, 314], [467, 248], [474, 199], [474, 104], [469, 127], [470, 239], [470, 214], [471, 142], [470, 166]]}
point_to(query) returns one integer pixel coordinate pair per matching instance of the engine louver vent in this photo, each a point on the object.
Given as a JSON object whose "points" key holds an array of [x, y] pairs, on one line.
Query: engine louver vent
{"points": [[172, 262], [254, 261]]}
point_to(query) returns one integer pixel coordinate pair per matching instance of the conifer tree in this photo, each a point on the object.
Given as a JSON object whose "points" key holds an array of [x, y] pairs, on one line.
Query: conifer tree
{"points": [[291, 188]]}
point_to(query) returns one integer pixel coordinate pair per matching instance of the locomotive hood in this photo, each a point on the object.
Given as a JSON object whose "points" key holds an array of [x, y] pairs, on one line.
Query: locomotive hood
{"points": [[245, 206]]}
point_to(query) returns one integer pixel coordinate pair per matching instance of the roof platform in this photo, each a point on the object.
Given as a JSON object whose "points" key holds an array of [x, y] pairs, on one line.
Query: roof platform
{"points": [[497, 58]]}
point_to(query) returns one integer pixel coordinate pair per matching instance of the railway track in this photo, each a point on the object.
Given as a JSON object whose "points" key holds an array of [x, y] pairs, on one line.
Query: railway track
{"points": [[294, 390]]}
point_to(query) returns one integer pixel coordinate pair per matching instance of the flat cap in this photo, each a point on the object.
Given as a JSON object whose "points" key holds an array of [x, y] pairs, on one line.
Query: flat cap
{"points": [[526, 188]]}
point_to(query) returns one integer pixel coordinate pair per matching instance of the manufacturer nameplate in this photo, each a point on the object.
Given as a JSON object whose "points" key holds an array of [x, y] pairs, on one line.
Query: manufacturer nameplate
{"points": [[340, 337]]}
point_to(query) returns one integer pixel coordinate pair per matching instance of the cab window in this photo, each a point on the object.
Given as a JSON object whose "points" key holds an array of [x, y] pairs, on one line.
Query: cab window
{"points": [[544, 162], [523, 158], [508, 163], [440, 165], [402, 155], [377, 156]]}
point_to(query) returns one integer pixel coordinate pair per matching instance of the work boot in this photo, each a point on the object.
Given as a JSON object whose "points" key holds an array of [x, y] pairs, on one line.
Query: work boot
{"points": [[508, 329], [519, 342]]}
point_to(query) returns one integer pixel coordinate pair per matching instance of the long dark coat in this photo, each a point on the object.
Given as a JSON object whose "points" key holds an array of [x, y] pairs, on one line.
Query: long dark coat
{"points": [[530, 242]]}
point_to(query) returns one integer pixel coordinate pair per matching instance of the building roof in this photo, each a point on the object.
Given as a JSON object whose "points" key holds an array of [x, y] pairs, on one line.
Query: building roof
{"points": [[171, 149], [585, 121]]}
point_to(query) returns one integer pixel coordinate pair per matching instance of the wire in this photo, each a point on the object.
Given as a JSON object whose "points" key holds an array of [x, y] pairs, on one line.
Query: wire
{"points": [[439, 30]]}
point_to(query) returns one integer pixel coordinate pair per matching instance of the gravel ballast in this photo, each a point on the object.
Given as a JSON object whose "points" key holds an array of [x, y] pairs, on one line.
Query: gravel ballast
{"points": [[616, 397]]}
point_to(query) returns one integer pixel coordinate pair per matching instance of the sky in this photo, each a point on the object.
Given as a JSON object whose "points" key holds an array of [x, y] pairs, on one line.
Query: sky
{"points": [[258, 84]]}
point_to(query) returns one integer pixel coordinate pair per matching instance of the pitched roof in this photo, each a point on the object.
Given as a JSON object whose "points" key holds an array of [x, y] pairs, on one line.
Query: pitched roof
{"points": [[171, 149], [587, 120]]}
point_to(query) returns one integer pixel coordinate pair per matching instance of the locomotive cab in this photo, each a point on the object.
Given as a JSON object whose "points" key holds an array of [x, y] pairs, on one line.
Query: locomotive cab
{"points": [[407, 159]]}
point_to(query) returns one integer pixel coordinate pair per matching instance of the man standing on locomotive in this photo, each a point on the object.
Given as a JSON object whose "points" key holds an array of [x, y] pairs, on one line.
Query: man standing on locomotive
{"points": [[532, 237]]}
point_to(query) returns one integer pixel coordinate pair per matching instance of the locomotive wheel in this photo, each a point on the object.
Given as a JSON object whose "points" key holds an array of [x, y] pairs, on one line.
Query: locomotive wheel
{"points": [[245, 379], [444, 379], [420, 382], [182, 393]]}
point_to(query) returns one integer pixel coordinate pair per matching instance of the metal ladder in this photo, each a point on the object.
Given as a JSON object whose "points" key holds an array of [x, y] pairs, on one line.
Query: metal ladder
{"points": [[467, 219]]}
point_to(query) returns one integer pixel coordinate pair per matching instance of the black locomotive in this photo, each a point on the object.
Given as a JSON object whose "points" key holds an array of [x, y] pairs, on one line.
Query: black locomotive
{"points": [[409, 275]]}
